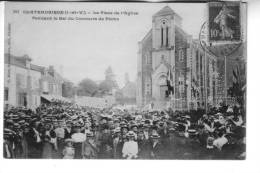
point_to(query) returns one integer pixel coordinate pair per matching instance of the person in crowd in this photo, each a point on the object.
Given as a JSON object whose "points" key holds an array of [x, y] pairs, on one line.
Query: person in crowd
{"points": [[143, 145], [25, 130], [130, 147], [146, 131], [220, 141], [68, 130], [156, 147], [117, 139], [157, 134], [68, 151], [60, 133], [8, 145], [172, 147], [78, 138], [163, 133], [34, 141], [89, 147], [17, 147], [49, 142], [106, 143]]}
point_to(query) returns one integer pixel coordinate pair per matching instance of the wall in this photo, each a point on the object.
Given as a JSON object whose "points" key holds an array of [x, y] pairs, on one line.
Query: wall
{"points": [[27, 85]]}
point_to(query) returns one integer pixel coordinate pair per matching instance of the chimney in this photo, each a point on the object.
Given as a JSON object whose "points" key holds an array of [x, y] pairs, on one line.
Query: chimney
{"points": [[27, 61], [51, 70]]}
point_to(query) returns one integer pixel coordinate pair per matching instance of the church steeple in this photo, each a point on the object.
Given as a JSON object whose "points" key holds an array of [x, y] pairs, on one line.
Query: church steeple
{"points": [[163, 36], [164, 11]]}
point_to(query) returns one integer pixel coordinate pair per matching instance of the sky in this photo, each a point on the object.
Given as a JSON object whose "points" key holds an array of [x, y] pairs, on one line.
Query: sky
{"points": [[81, 48]]}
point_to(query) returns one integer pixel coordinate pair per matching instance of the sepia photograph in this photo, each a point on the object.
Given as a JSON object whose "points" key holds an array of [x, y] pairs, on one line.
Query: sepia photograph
{"points": [[142, 81]]}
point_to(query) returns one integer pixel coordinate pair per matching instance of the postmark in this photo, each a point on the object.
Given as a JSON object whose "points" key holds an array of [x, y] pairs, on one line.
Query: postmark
{"points": [[221, 35], [217, 49]]}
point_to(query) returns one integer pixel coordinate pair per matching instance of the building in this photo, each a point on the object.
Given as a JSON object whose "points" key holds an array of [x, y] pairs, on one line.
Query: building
{"points": [[167, 47], [27, 84], [51, 82], [21, 82], [129, 90]]}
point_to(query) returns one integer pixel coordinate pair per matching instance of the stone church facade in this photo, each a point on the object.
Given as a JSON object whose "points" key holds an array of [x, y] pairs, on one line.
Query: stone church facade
{"points": [[166, 46]]}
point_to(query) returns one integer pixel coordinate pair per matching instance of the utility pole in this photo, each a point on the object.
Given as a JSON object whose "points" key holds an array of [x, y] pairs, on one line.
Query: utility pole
{"points": [[205, 83], [225, 79]]}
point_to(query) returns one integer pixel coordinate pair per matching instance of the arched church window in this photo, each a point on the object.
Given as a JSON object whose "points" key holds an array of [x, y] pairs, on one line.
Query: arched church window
{"points": [[148, 59], [181, 55], [167, 39], [164, 33], [181, 83], [161, 36]]}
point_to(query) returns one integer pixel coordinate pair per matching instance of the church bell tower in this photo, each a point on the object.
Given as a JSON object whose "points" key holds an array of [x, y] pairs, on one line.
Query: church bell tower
{"points": [[163, 49]]}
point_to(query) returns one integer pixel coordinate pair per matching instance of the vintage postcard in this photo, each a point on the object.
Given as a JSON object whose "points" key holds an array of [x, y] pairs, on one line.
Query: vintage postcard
{"points": [[90, 80]]}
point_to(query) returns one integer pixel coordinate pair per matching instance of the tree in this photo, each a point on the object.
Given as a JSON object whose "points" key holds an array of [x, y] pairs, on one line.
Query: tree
{"points": [[68, 89], [87, 87], [127, 78]]}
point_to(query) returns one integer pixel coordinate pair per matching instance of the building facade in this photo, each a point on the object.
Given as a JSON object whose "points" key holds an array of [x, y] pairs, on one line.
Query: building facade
{"points": [[21, 82], [51, 82], [25, 84], [167, 47]]}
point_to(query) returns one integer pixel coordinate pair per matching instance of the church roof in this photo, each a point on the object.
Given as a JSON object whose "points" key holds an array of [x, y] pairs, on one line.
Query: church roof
{"points": [[165, 11]]}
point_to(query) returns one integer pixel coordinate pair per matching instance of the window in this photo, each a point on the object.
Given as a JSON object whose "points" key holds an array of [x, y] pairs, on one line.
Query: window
{"points": [[22, 99], [35, 100], [45, 87], [181, 84], [36, 82], [164, 33], [161, 36], [51, 87], [181, 55], [21, 81], [167, 40], [6, 94], [148, 59], [148, 88], [197, 61]]}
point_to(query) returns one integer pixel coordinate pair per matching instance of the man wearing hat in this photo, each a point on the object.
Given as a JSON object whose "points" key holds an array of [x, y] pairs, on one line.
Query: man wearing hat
{"points": [[146, 131], [34, 141], [78, 139], [89, 147], [143, 145], [68, 130], [105, 143], [117, 140], [49, 142], [8, 143], [156, 147]]}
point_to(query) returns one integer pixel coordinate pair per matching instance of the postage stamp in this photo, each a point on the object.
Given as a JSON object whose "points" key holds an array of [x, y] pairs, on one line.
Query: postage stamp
{"points": [[224, 22]]}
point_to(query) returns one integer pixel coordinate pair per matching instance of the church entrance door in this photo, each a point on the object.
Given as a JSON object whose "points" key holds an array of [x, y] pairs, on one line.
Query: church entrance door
{"points": [[163, 89]]}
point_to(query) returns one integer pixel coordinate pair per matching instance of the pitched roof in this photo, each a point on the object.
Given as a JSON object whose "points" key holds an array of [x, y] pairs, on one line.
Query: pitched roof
{"points": [[37, 68], [165, 11]]}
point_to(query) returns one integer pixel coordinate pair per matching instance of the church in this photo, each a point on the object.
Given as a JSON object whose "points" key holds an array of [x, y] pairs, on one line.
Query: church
{"points": [[167, 47]]}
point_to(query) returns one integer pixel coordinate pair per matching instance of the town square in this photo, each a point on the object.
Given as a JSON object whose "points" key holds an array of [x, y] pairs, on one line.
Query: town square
{"points": [[155, 82]]}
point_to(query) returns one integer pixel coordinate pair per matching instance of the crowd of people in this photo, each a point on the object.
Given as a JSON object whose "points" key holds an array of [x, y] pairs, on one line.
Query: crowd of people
{"points": [[64, 130]]}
